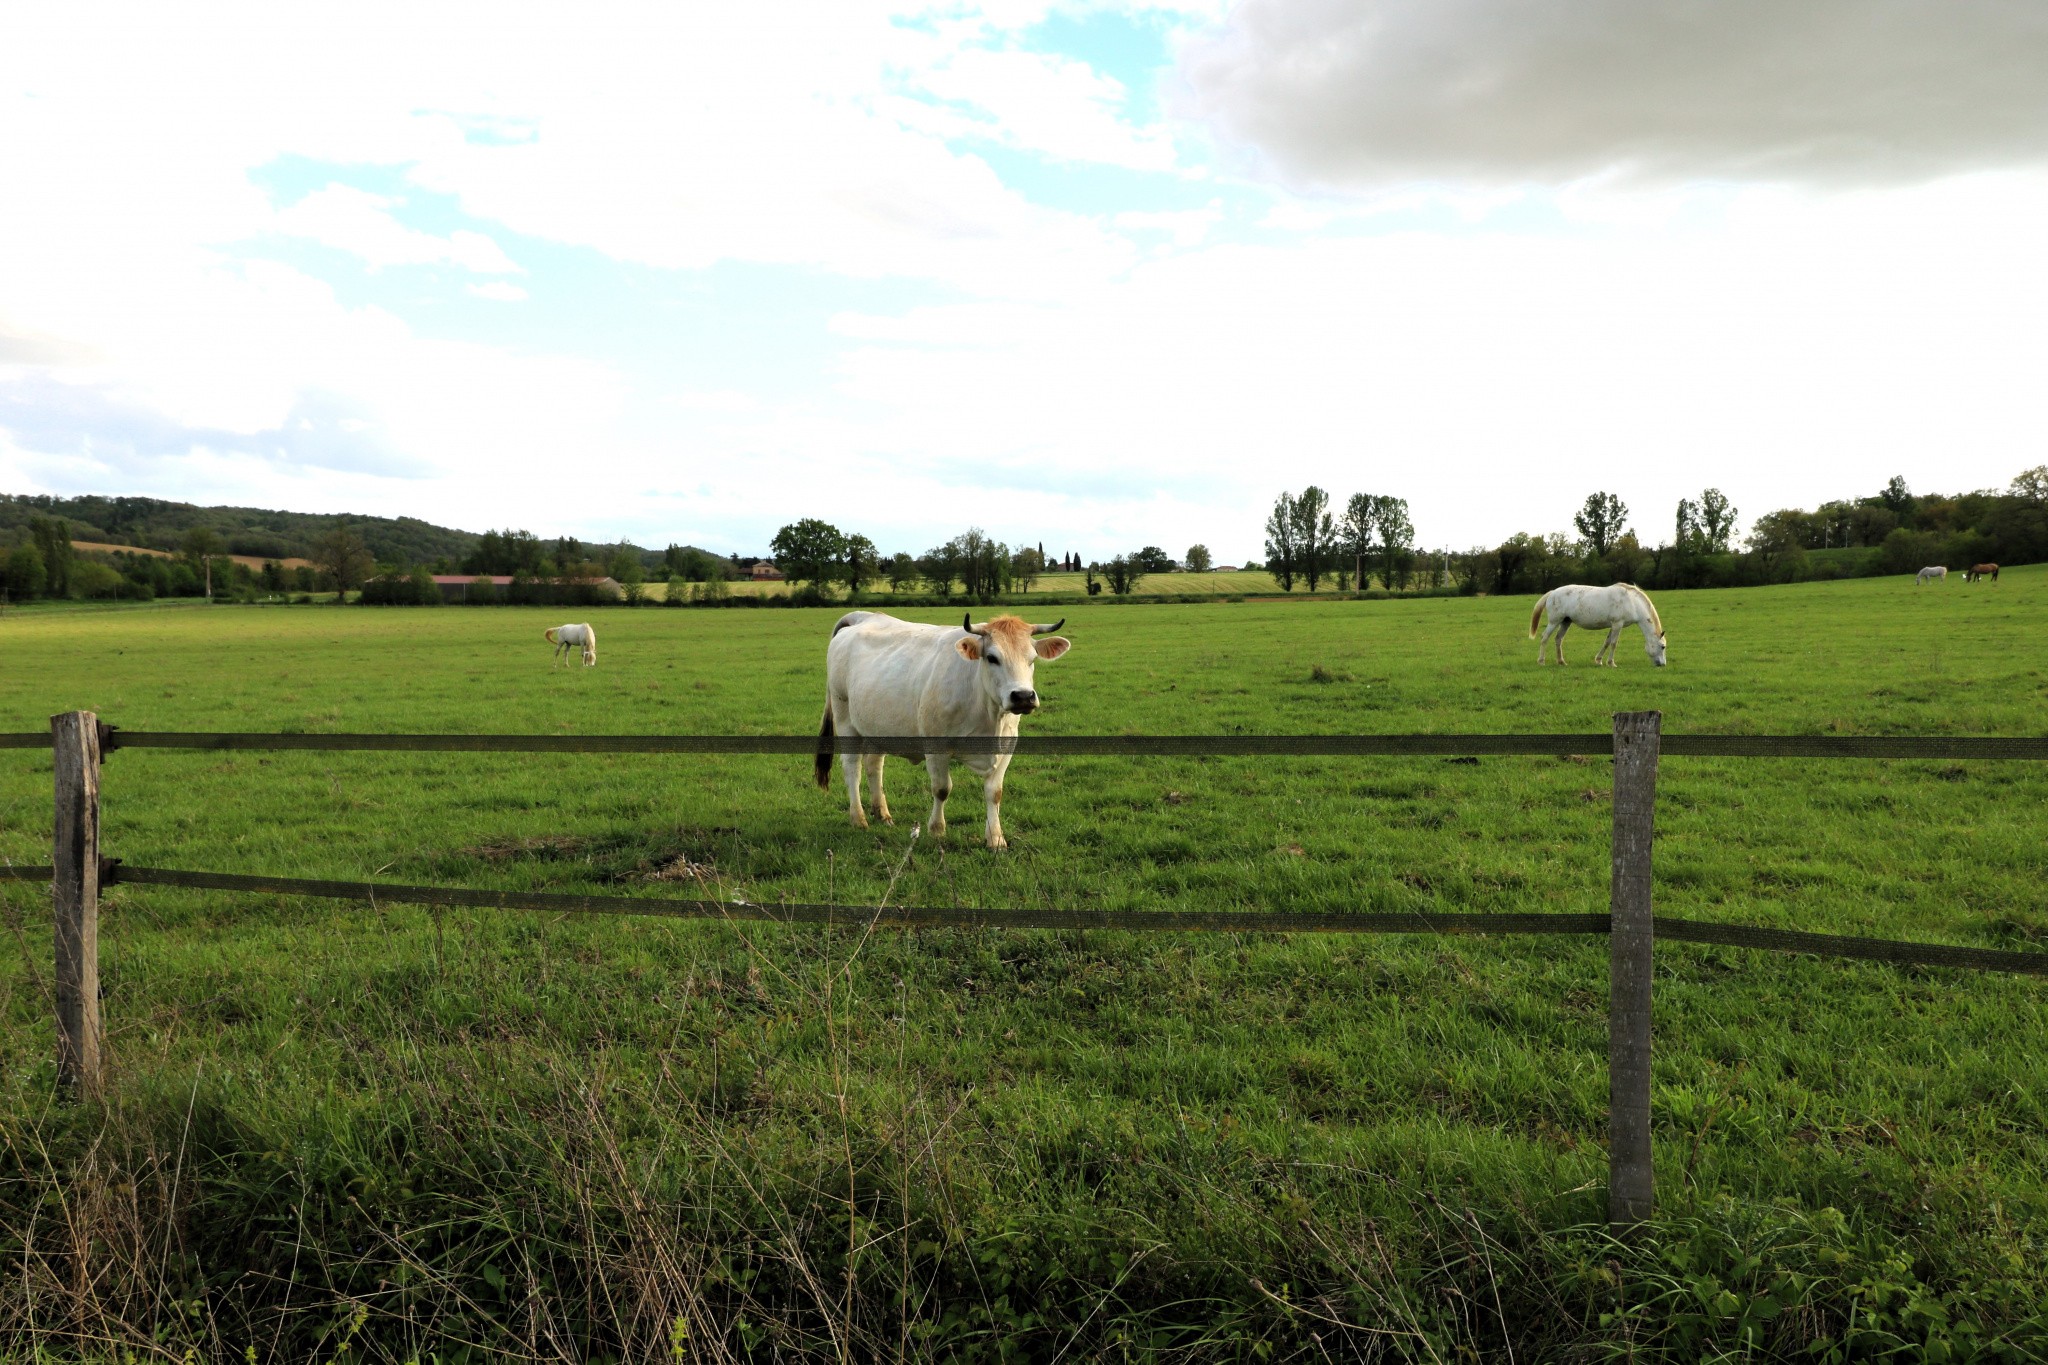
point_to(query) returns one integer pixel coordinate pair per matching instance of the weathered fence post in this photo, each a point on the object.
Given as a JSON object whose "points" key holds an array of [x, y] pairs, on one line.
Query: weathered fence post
{"points": [[1629, 1182], [76, 892]]}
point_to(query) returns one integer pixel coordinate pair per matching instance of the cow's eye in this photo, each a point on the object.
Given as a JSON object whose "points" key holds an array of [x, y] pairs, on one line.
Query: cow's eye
{"points": [[991, 658]]}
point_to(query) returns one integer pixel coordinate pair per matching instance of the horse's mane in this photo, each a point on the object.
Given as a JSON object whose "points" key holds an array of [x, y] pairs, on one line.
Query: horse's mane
{"points": [[1656, 623]]}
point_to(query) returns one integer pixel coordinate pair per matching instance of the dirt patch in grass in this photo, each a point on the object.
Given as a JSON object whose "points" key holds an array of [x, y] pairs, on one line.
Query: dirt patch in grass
{"points": [[541, 847]]}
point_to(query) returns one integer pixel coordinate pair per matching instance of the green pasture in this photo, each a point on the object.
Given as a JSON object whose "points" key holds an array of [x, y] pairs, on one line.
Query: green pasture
{"points": [[413, 1134]]}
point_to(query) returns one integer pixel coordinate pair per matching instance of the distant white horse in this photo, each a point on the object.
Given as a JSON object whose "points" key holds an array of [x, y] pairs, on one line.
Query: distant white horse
{"points": [[565, 638], [1616, 607], [1932, 571]]}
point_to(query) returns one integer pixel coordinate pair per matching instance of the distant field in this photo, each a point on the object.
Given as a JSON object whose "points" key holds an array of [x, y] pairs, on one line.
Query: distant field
{"points": [[251, 561], [504, 1128]]}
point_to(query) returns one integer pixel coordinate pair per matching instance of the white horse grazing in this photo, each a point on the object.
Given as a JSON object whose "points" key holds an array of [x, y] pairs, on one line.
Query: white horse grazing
{"points": [[1932, 571], [566, 638], [1616, 607]]}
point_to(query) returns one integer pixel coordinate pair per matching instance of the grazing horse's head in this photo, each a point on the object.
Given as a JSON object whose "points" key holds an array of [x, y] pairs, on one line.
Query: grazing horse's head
{"points": [[1653, 645]]}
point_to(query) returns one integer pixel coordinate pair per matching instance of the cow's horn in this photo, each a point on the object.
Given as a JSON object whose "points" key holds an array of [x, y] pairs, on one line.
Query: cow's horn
{"points": [[1047, 630], [967, 622]]}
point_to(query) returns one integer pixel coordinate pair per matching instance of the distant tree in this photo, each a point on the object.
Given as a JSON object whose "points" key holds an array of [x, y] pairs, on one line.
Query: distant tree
{"points": [[862, 565], [1281, 547], [809, 551], [939, 567], [1601, 521], [984, 564], [1717, 520], [1315, 534], [342, 556], [1896, 497], [202, 543], [52, 536], [902, 571], [2031, 486], [1123, 573], [1397, 541], [1688, 534], [1356, 529], [1152, 559], [1025, 567], [1198, 559], [626, 567], [25, 574]]}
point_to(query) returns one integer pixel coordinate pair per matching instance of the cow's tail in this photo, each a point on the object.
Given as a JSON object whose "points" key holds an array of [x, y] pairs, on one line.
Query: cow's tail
{"points": [[823, 767], [1536, 616]]}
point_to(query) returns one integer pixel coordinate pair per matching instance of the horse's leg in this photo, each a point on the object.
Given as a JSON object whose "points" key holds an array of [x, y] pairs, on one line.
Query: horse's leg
{"points": [[1613, 634], [873, 764], [1543, 643], [938, 766], [1562, 627]]}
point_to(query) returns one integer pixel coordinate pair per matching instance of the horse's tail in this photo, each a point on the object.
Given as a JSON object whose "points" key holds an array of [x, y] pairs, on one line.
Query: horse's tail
{"points": [[548, 635], [822, 769], [1536, 616]]}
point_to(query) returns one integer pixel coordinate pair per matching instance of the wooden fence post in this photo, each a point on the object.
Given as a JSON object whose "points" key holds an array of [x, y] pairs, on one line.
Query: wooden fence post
{"points": [[1630, 1186], [76, 892]]}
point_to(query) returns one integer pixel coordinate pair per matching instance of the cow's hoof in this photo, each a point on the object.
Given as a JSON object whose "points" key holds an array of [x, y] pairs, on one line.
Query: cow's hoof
{"points": [[999, 843]]}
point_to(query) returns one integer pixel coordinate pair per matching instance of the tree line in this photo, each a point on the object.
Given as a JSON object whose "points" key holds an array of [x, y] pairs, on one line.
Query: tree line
{"points": [[975, 566], [1890, 531], [1308, 540]]}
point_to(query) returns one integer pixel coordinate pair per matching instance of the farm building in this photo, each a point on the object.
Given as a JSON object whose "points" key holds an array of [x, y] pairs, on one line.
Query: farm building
{"points": [[765, 571], [456, 587]]}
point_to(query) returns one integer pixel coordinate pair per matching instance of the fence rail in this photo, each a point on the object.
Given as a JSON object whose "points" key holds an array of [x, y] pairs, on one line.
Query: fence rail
{"points": [[1067, 746], [79, 742]]}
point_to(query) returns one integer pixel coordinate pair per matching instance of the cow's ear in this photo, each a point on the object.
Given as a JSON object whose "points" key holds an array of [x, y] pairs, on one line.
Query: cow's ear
{"points": [[1052, 647], [969, 647]]}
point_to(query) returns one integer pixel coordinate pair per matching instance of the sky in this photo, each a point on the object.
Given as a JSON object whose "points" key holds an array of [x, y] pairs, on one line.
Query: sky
{"points": [[1092, 275]]}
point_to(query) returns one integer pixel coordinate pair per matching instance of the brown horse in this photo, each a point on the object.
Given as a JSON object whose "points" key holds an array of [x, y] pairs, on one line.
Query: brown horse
{"points": [[1977, 571]]}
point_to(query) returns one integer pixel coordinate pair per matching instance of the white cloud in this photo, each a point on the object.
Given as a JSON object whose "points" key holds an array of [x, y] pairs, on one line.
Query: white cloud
{"points": [[500, 290], [361, 223], [1809, 350], [1046, 103], [1337, 92]]}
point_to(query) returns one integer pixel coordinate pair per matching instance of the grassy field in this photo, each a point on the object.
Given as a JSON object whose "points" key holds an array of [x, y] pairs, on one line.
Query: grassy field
{"points": [[379, 1130]]}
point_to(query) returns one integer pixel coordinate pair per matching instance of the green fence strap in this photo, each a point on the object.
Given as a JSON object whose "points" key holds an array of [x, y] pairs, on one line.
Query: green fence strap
{"points": [[1223, 921], [30, 739], [1839, 945], [27, 874], [1140, 921]]}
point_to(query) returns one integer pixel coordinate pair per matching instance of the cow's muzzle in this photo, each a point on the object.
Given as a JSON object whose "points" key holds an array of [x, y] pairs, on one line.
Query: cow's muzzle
{"points": [[1023, 701]]}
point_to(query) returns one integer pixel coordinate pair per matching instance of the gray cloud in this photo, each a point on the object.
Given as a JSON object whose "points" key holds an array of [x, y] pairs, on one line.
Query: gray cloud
{"points": [[323, 430], [1360, 93]]}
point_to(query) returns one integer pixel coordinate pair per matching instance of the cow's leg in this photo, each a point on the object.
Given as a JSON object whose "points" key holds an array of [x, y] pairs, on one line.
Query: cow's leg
{"points": [[992, 795], [872, 763], [940, 768], [849, 767]]}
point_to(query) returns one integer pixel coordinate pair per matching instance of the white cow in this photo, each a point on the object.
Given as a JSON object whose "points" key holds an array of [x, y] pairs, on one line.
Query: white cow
{"points": [[566, 638], [898, 679]]}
